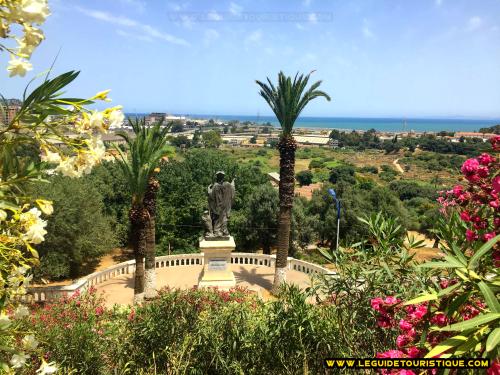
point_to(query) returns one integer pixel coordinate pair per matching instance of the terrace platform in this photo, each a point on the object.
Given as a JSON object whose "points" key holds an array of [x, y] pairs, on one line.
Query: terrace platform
{"points": [[116, 283], [256, 278]]}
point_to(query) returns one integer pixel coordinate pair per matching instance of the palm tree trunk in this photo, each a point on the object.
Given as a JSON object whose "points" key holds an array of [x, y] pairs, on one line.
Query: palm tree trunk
{"points": [[287, 147], [139, 220], [150, 269]]}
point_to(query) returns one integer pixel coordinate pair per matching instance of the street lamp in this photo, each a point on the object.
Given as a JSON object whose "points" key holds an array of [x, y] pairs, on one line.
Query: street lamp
{"points": [[339, 205]]}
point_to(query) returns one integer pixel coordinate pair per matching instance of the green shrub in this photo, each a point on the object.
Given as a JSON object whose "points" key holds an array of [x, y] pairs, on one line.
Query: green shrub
{"points": [[316, 163], [304, 178], [78, 231], [369, 169]]}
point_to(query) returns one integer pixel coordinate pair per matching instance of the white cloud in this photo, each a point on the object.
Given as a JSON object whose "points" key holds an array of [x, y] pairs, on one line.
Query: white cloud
{"points": [[438, 2], [214, 16], [474, 23], [145, 29], [300, 26], [175, 7], [210, 36], [235, 9], [367, 31], [142, 38], [254, 37], [307, 2], [312, 18], [106, 17]]}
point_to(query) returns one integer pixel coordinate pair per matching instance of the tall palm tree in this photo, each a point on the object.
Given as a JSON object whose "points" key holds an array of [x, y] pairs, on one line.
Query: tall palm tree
{"points": [[287, 100], [145, 152]]}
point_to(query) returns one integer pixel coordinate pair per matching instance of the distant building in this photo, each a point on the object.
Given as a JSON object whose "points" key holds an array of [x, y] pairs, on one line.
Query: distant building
{"points": [[484, 136], [9, 113], [311, 140]]}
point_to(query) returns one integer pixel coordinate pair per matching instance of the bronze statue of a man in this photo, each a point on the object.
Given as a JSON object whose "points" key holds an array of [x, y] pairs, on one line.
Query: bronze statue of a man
{"points": [[220, 199]]}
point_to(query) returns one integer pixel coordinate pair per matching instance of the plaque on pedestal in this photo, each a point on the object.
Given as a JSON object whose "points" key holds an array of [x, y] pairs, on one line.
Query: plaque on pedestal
{"points": [[217, 263]]}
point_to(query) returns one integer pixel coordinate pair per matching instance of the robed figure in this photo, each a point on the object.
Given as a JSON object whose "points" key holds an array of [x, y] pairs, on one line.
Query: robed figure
{"points": [[220, 199]]}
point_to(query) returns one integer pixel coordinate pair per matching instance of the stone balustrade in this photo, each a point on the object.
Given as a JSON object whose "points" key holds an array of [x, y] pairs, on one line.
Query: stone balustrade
{"points": [[48, 293]]}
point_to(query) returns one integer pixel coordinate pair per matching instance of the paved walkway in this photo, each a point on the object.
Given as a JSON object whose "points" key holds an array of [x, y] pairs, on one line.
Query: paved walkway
{"points": [[258, 278]]}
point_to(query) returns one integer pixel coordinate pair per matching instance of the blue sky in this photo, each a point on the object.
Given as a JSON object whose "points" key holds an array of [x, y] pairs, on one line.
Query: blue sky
{"points": [[421, 58]]}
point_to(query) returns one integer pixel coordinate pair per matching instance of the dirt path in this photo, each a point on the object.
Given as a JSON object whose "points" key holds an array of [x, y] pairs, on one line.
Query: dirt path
{"points": [[398, 167]]}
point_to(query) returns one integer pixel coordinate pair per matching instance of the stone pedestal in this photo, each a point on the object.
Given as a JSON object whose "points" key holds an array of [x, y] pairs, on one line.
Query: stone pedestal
{"points": [[217, 264]]}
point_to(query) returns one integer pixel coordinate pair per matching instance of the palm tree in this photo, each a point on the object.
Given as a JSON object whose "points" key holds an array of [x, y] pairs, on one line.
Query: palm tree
{"points": [[145, 152], [287, 100]]}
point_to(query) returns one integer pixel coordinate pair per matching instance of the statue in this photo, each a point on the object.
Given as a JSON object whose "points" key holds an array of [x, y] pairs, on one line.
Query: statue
{"points": [[220, 200]]}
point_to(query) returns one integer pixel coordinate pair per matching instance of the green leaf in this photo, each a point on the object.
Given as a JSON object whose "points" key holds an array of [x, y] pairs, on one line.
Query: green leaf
{"points": [[471, 323], [493, 340], [441, 265], [456, 303], [448, 290], [424, 298], [446, 345], [482, 250], [455, 261], [489, 296]]}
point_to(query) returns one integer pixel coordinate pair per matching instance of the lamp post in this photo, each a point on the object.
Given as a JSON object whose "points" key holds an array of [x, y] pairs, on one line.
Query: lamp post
{"points": [[338, 204]]}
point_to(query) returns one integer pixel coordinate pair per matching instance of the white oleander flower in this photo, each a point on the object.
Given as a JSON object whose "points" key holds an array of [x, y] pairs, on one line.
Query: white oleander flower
{"points": [[18, 67], [25, 50], [4, 321], [21, 312], [3, 215], [97, 120], [32, 35], [45, 206], [47, 368], [116, 118], [50, 157], [18, 360], [34, 11], [33, 225], [67, 167], [29, 342]]}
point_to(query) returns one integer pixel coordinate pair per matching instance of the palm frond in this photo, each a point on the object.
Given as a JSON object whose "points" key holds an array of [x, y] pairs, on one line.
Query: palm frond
{"points": [[145, 151], [287, 99]]}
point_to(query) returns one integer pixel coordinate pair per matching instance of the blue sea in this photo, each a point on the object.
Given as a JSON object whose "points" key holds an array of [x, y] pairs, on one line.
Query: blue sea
{"points": [[362, 123]]}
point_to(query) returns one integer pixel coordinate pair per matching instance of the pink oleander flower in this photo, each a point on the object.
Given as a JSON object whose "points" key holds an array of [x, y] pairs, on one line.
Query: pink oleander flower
{"points": [[495, 142], [488, 236], [494, 203], [384, 322], [495, 183], [377, 303], [391, 300], [470, 235], [405, 325], [470, 166], [402, 341], [464, 215], [391, 354], [99, 310], [458, 190], [494, 368], [413, 352], [406, 372], [496, 258], [439, 319], [483, 171], [496, 222], [419, 313], [485, 159]]}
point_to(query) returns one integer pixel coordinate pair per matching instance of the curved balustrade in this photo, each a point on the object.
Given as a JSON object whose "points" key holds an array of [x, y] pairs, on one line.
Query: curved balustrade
{"points": [[47, 293]]}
